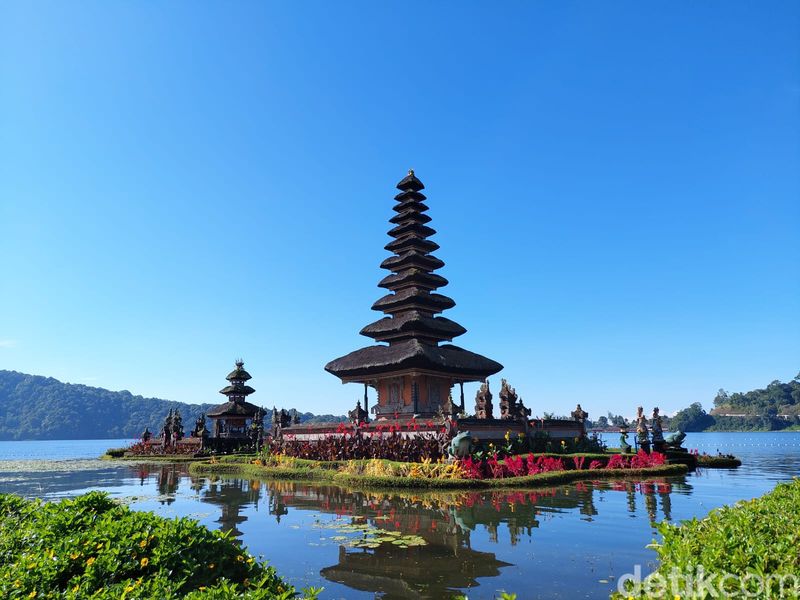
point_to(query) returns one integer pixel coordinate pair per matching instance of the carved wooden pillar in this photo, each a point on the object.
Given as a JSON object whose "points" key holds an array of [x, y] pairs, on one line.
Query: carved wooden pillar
{"points": [[461, 385], [366, 403]]}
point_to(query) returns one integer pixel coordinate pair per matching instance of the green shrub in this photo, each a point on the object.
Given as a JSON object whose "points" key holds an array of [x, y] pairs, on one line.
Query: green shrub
{"points": [[734, 546], [92, 546], [116, 452]]}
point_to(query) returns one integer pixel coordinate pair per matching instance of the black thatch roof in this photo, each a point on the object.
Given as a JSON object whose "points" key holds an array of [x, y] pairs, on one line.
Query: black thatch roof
{"points": [[410, 183], [413, 324], [237, 389], [406, 244], [413, 331], [413, 354], [412, 298], [233, 409], [412, 259], [415, 277], [239, 372]]}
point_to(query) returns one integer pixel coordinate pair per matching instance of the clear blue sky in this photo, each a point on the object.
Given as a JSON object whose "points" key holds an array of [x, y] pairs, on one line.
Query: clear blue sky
{"points": [[616, 187]]}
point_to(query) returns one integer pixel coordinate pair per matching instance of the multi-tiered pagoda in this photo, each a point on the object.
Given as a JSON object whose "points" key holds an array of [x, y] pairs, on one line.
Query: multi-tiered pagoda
{"points": [[231, 418], [413, 372]]}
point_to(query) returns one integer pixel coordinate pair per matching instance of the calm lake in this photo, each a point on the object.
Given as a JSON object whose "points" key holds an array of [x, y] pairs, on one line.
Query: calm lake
{"points": [[569, 541]]}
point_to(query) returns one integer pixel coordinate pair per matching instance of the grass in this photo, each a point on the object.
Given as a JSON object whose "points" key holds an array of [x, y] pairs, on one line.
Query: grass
{"points": [[750, 548], [308, 470]]}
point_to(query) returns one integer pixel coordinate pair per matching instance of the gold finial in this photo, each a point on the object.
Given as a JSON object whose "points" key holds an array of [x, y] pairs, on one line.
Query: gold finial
{"points": [[411, 172]]}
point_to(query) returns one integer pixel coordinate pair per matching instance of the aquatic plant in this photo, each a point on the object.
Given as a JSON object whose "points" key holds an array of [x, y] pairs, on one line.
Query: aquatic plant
{"points": [[94, 547], [747, 550]]}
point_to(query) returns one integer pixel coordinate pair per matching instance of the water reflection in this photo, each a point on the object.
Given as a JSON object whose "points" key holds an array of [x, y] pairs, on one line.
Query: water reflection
{"points": [[447, 563]]}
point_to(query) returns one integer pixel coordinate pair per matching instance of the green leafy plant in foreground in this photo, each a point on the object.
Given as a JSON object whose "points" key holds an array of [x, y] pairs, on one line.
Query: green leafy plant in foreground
{"points": [[737, 547], [91, 546]]}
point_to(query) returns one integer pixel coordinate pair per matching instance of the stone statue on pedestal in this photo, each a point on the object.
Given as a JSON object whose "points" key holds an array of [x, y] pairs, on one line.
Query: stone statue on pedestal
{"points": [[641, 430], [657, 432], [624, 446]]}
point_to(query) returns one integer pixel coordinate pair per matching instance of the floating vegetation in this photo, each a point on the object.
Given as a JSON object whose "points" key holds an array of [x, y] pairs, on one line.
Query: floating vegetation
{"points": [[71, 465], [363, 535]]}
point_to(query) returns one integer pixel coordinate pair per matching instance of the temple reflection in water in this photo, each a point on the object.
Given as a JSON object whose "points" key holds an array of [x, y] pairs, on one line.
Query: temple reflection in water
{"points": [[446, 522]]}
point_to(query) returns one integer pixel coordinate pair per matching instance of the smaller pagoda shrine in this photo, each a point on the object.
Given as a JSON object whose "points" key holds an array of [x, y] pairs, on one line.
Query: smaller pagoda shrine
{"points": [[231, 418]]}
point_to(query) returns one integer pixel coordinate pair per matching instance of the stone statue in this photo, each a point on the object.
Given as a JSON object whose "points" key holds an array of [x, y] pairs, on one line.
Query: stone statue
{"points": [[624, 446], [657, 432], [358, 414], [579, 415], [256, 429], [461, 445], [508, 400], [166, 430], [199, 426], [177, 426], [483, 402], [641, 430], [675, 440]]}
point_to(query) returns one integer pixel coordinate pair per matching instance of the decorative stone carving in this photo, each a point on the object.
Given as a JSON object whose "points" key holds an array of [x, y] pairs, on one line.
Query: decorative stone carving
{"points": [[675, 440], [511, 406], [483, 402], [461, 445], [358, 414], [579, 415]]}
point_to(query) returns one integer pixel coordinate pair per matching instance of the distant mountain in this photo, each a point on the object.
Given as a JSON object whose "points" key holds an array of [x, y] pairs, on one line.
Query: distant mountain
{"points": [[42, 408]]}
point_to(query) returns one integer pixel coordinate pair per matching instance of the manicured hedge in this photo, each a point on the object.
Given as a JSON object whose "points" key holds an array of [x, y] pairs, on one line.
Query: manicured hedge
{"points": [[751, 547], [94, 547]]}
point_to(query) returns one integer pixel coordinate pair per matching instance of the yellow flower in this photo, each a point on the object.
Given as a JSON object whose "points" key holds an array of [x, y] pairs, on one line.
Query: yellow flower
{"points": [[32, 594], [74, 555], [240, 558], [143, 543], [130, 588], [90, 561], [508, 435], [76, 588], [144, 562]]}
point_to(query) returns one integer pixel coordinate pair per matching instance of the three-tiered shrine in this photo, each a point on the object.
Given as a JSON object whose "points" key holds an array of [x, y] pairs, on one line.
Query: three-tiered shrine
{"points": [[412, 371], [231, 418]]}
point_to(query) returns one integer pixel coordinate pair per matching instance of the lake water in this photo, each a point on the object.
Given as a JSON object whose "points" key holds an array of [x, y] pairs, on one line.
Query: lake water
{"points": [[569, 541]]}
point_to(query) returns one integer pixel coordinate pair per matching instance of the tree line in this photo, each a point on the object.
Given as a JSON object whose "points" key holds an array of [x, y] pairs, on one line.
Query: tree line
{"points": [[41, 408]]}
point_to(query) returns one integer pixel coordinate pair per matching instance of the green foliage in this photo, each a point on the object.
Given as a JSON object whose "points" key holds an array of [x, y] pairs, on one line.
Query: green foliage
{"points": [[751, 539], [41, 408], [693, 418], [92, 546]]}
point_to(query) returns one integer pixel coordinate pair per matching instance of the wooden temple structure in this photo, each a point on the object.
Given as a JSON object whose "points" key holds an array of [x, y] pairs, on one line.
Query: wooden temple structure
{"points": [[412, 369], [231, 419]]}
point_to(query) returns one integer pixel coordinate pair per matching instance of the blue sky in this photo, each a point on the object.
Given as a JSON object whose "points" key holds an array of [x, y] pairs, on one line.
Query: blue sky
{"points": [[616, 188]]}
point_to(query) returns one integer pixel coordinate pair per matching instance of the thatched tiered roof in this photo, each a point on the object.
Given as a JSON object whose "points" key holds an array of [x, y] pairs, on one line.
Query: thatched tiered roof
{"points": [[237, 391], [412, 328]]}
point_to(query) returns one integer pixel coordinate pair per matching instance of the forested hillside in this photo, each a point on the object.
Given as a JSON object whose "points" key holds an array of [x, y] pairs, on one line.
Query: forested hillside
{"points": [[40, 408]]}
